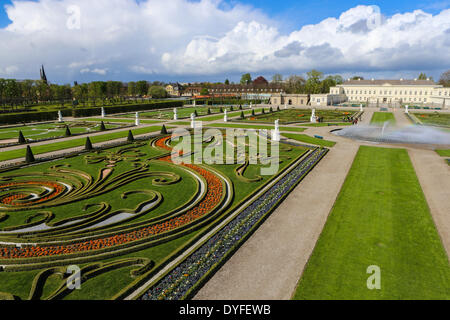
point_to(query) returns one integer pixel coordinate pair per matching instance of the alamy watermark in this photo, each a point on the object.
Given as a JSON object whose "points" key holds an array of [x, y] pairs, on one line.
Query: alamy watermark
{"points": [[236, 146], [74, 280], [374, 281]]}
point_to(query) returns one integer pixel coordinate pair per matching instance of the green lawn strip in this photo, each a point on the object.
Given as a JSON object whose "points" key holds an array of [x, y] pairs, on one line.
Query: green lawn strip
{"points": [[382, 117], [308, 139], [19, 153], [322, 124], [443, 153], [109, 120], [230, 115], [249, 126], [380, 218], [436, 118]]}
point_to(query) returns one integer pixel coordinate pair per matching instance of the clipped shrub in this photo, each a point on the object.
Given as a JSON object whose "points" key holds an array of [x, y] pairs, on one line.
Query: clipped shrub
{"points": [[68, 133], [271, 110], [130, 137], [88, 144], [253, 112], [163, 129], [209, 110], [240, 107], [102, 126], [221, 110], [29, 157], [242, 115], [22, 138]]}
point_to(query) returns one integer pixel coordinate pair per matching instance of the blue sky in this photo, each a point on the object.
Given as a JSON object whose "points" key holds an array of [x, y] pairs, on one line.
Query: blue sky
{"points": [[311, 11], [193, 40]]}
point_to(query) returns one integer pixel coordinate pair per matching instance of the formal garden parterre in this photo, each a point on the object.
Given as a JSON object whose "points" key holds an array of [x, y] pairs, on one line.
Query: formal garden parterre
{"points": [[122, 213]]}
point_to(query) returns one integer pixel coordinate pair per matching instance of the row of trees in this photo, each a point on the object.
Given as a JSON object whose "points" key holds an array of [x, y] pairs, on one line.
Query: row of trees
{"points": [[28, 92]]}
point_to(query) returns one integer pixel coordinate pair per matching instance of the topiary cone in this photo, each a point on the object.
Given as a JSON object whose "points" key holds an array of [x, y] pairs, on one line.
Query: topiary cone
{"points": [[29, 157], [130, 136], [242, 115], [22, 138], [68, 133], [88, 144], [163, 129], [102, 126]]}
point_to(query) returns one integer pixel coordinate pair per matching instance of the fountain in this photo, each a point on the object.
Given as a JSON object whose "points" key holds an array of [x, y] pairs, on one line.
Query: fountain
{"points": [[60, 117], [193, 121], [313, 116], [175, 114], [225, 117], [388, 133], [276, 132], [138, 121], [103, 112]]}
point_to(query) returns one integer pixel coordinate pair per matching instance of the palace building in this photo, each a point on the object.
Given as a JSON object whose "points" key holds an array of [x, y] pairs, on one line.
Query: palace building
{"points": [[393, 92]]}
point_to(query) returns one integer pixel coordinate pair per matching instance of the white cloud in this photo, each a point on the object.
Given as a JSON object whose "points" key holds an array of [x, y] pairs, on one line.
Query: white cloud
{"points": [[181, 37]]}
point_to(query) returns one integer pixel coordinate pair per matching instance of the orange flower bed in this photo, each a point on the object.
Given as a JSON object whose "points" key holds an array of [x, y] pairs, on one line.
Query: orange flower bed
{"points": [[11, 199], [210, 201]]}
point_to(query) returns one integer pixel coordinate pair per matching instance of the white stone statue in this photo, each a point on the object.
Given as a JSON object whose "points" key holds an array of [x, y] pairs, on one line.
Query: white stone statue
{"points": [[225, 117], [313, 116], [361, 108], [251, 105], [407, 109], [103, 112], [138, 121], [175, 114], [60, 117], [276, 132], [193, 120], [195, 102]]}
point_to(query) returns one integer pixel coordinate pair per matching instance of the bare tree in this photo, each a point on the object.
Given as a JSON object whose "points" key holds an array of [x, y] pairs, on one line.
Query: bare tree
{"points": [[445, 79]]}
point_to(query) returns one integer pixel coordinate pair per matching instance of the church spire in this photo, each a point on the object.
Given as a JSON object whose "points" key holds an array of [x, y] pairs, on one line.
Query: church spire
{"points": [[43, 76]]}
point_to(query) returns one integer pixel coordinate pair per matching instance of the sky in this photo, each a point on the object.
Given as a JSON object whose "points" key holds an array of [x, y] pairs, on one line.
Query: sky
{"points": [[214, 40]]}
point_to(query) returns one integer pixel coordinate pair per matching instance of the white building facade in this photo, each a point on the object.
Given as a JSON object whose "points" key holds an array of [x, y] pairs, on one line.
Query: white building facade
{"points": [[412, 92]]}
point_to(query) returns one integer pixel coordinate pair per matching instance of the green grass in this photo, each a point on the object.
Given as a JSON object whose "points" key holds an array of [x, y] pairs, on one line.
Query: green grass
{"points": [[436, 119], [20, 153], [308, 139], [322, 124], [109, 120], [249, 126], [381, 117], [443, 153], [380, 218]]}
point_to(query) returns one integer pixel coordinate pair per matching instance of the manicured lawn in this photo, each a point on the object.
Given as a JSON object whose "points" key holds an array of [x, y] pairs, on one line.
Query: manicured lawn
{"points": [[322, 124], [20, 153], [444, 153], [437, 119], [122, 120], [382, 117], [308, 139], [380, 218], [249, 126]]}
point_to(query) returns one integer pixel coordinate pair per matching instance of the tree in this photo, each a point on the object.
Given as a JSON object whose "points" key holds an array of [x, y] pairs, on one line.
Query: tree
{"points": [[163, 129], [445, 79], [313, 84], [295, 84], [157, 92], [88, 144], [142, 88], [246, 79], [67, 133], [422, 76], [132, 88], [22, 138], [358, 78], [227, 82], [29, 157], [130, 137], [204, 92], [277, 78]]}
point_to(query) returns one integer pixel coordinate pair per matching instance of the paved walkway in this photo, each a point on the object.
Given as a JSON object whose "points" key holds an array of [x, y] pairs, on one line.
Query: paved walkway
{"points": [[269, 265]]}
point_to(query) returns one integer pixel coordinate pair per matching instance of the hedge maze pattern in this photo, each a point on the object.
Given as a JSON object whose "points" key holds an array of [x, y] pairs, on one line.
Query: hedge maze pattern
{"points": [[101, 231]]}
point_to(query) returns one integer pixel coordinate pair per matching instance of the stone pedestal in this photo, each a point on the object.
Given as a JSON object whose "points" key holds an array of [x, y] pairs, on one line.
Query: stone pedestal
{"points": [[276, 131], [193, 121], [137, 121]]}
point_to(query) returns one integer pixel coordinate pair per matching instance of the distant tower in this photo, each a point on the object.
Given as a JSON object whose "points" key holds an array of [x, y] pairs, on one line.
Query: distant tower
{"points": [[43, 76]]}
